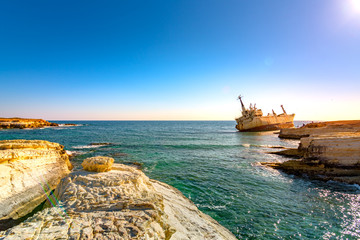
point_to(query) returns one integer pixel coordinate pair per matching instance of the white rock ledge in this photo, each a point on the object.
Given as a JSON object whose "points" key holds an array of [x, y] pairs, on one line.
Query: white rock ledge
{"points": [[120, 204], [29, 169]]}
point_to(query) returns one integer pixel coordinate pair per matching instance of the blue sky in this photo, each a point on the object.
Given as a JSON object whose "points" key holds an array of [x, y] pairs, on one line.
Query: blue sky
{"points": [[179, 60]]}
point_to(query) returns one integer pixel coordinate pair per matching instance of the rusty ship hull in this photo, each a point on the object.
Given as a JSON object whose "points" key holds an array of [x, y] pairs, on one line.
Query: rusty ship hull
{"points": [[265, 123], [252, 119]]}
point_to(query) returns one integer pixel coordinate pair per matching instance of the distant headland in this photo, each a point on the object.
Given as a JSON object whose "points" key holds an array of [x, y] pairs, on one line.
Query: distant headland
{"points": [[21, 123]]}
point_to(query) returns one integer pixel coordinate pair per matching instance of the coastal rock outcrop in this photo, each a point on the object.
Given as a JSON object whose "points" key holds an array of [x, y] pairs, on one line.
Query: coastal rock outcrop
{"points": [[24, 123], [29, 170], [317, 171], [326, 153], [119, 204], [98, 164], [333, 149], [320, 128]]}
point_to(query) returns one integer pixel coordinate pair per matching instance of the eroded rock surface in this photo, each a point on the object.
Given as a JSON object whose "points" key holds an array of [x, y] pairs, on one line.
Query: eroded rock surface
{"points": [[98, 164], [188, 221], [120, 204], [29, 169], [24, 123], [333, 150], [320, 128], [328, 156], [317, 171]]}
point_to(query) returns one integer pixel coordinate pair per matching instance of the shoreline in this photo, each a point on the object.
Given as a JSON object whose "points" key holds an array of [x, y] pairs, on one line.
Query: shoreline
{"points": [[326, 151], [141, 149], [101, 200]]}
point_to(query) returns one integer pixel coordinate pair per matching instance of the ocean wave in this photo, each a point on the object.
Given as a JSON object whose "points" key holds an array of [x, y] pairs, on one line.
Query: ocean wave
{"points": [[87, 146], [68, 125], [44, 127], [201, 146], [74, 153], [92, 145], [212, 207], [198, 146], [262, 146]]}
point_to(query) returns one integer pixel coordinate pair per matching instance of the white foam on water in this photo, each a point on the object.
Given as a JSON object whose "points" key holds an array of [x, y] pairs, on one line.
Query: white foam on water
{"points": [[211, 206], [74, 153], [89, 146], [63, 125]]}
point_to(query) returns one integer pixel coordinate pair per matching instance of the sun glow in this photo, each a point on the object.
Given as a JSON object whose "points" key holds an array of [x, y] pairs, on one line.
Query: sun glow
{"points": [[355, 5]]}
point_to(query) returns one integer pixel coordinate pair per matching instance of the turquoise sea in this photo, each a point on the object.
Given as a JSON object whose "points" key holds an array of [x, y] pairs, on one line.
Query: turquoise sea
{"points": [[217, 168]]}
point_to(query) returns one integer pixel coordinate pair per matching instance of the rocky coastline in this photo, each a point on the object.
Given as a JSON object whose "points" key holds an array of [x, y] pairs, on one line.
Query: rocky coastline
{"points": [[327, 151], [101, 201], [29, 171], [319, 128], [8, 123]]}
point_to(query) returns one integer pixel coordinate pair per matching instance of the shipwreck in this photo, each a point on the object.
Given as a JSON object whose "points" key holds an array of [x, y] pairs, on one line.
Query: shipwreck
{"points": [[252, 119]]}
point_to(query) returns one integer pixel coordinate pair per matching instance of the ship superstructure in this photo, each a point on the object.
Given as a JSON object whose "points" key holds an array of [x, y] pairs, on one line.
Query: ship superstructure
{"points": [[252, 119]]}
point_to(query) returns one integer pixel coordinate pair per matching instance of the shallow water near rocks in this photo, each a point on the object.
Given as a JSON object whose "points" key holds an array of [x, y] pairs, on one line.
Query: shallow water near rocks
{"points": [[217, 168]]}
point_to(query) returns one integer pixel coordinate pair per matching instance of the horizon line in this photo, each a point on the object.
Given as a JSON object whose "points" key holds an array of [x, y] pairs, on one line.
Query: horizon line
{"points": [[164, 120]]}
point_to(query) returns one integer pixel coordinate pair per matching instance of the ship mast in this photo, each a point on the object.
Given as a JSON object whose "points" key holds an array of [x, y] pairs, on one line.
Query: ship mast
{"points": [[283, 109], [242, 104]]}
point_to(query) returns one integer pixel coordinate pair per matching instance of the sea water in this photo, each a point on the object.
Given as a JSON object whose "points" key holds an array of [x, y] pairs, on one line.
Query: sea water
{"points": [[218, 169]]}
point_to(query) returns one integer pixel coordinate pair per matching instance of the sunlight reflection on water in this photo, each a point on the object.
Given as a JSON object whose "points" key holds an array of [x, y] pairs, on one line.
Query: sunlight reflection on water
{"points": [[218, 169]]}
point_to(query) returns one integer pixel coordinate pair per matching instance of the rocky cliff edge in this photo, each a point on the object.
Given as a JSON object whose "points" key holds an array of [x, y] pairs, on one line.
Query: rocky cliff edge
{"points": [[325, 152], [29, 170], [121, 203], [320, 128]]}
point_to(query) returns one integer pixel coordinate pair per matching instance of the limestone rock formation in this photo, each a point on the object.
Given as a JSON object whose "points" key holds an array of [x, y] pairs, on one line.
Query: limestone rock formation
{"points": [[317, 171], [333, 149], [120, 204], [328, 156], [29, 169], [98, 164], [320, 128], [24, 123], [188, 221]]}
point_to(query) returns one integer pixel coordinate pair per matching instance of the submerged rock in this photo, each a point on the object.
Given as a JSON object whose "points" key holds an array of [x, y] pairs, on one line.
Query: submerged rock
{"points": [[98, 164], [120, 204], [100, 144], [291, 152], [29, 170], [24, 123], [318, 171]]}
